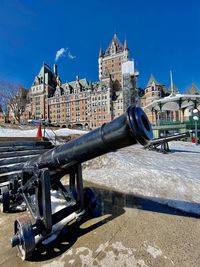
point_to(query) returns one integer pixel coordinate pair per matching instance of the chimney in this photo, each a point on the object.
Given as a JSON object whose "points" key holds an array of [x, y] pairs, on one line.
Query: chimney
{"points": [[55, 70]]}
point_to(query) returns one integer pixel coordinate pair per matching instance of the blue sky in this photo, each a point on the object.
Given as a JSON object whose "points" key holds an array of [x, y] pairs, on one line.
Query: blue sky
{"points": [[162, 36]]}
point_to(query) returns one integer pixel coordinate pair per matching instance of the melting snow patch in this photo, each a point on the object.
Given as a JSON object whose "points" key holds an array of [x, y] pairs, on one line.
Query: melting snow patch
{"points": [[112, 255], [155, 252], [102, 247], [71, 262], [56, 263], [69, 252], [120, 247]]}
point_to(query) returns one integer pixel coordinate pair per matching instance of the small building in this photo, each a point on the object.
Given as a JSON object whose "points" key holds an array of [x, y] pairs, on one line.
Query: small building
{"points": [[153, 92], [176, 113]]}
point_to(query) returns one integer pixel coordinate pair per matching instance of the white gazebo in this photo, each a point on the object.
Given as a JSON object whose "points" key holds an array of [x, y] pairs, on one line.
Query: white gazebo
{"points": [[173, 108]]}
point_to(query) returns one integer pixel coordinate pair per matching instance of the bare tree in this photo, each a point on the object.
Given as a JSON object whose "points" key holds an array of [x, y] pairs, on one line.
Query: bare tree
{"points": [[12, 99]]}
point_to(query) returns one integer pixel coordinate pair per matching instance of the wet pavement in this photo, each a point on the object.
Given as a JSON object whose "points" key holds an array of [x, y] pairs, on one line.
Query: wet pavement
{"points": [[126, 231]]}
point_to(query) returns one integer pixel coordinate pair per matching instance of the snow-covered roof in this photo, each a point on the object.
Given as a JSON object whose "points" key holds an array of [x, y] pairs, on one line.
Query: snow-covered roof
{"points": [[173, 103]]}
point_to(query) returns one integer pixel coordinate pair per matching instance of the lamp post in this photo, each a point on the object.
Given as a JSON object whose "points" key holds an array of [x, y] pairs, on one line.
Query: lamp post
{"points": [[196, 118], [42, 121]]}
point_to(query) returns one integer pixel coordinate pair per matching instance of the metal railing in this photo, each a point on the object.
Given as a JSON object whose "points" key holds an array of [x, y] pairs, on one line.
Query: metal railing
{"points": [[54, 138], [187, 121]]}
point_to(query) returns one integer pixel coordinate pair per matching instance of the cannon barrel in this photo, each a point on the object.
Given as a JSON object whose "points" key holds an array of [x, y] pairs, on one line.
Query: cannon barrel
{"points": [[128, 129]]}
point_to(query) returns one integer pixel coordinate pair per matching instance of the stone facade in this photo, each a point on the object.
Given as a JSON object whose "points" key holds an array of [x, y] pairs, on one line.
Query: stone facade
{"points": [[152, 92], [110, 62], [81, 104], [110, 66], [74, 104]]}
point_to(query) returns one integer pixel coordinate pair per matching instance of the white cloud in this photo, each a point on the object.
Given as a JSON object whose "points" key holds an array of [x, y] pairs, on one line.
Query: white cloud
{"points": [[70, 56], [60, 53]]}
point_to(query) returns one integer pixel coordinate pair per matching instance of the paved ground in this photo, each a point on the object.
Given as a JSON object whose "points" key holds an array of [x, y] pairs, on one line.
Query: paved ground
{"points": [[127, 231]]}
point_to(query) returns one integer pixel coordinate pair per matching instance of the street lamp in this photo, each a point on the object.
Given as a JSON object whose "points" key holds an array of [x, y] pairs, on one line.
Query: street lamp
{"points": [[196, 118]]}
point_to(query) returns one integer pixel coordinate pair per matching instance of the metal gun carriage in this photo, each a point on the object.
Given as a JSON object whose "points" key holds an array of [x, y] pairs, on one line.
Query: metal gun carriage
{"points": [[163, 142], [38, 177]]}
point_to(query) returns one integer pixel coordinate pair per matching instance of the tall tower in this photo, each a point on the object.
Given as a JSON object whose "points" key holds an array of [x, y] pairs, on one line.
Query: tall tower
{"points": [[129, 77], [110, 62]]}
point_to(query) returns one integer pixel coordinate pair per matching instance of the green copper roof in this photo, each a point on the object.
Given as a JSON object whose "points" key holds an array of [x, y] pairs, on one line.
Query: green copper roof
{"points": [[98, 83], [40, 78], [83, 82], [193, 90], [151, 80], [117, 44]]}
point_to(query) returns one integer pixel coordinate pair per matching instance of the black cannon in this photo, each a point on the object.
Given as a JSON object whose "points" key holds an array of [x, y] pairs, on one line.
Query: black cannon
{"points": [[163, 142], [41, 176]]}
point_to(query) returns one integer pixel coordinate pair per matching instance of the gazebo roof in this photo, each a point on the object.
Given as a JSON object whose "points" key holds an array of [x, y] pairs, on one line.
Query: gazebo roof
{"points": [[173, 103]]}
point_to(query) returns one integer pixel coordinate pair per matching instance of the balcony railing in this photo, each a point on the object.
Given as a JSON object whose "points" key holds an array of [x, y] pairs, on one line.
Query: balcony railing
{"points": [[187, 121]]}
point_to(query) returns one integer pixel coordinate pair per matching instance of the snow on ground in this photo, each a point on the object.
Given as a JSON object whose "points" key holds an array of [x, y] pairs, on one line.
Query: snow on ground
{"points": [[5, 132], [173, 178]]}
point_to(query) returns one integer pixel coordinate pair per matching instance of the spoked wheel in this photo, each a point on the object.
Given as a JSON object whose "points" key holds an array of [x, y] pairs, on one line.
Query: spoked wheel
{"points": [[24, 237], [90, 201], [5, 199]]}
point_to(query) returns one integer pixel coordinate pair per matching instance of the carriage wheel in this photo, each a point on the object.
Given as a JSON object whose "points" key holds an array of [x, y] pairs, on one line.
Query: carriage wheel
{"points": [[24, 237]]}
